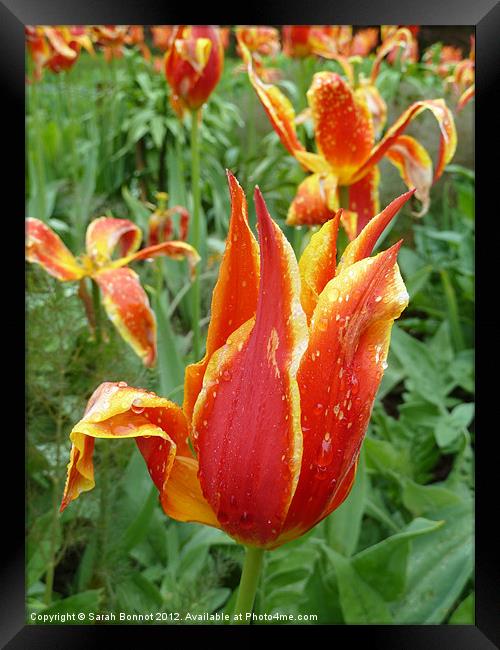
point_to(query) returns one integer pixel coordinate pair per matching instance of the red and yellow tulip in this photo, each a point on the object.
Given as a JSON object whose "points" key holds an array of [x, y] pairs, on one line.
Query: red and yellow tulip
{"points": [[277, 409], [193, 65], [345, 125], [463, 77], [259, 41], [161, 225], [57, 47], [162, 35], [122, 295]]}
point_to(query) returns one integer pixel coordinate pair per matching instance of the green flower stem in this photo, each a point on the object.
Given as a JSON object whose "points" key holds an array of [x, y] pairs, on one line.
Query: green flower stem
{"points": [[296, 240], [96, 301], [250, 575], [195, 228], [344, 196]]}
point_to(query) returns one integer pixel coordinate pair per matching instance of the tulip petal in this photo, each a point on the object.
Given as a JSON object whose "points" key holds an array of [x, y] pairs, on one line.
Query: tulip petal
{"points": [[278, 107], [182, 498], [364, 199], [177, 250], [415, 166], [317, 264], [466, 96], [119, 411], [44, 247], [342, 123], [376, 105], [247, 416], [339, 376], [364, 243], [105, 233], [234, 299], [447, 142], [402, 38], [315, 201], [127, 306]]}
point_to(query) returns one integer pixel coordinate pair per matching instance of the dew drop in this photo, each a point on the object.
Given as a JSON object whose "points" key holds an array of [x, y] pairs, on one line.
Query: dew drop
{"points": [[246, 521], [232, 501], [137, 406], [323, 324], [326, 453], [318, 409], [226, 375], [122, 384]]}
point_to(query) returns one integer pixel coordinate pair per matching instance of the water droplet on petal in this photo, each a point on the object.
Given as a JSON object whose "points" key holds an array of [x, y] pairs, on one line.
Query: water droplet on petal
{"points": [[122, 384], [246, 521], [137, 406]]}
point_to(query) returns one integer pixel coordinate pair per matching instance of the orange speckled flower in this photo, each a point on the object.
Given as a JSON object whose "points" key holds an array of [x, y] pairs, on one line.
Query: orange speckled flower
{"points": [[462, 79], [123, 297], [112, 39], [135, 36], [162, 35], [56, 48], [277, 409], [347, 151], [193, 65], [161, 221], [260, 40]]}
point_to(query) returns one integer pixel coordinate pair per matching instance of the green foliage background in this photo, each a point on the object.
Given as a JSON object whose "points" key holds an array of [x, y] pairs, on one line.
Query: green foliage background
{"points": [[101, 140]]}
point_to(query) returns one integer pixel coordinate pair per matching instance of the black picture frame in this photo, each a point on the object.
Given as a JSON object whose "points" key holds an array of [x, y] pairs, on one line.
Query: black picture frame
{"points": [[485, 16]]}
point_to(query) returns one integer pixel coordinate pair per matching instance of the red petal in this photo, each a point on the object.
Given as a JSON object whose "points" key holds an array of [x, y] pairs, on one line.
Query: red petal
{"points": [[247, 415], [364, 243], [127, 306], [234, 299], [315, 201], [339, 376], [44, 247], [363, 198]]}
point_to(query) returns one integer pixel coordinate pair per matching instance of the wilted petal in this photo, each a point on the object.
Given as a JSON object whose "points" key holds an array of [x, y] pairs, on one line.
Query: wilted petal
{"points": [[339, 376], [317, 264], [177, 250], [447, 142], [106, 233], [278, 107], [342, 122], [315, 202], [234, 299], [466, 96], [116, 410], [414, 165], [247, 417], [44, 247], [127, 306]]}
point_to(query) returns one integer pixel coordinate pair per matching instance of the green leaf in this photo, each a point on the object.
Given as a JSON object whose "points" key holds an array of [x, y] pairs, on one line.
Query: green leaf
{"points": [[343, 526], [360, 603], [44, 537], [464, 613], [383, 565], [420, 499], [84, 602], [439, 567], [451, 427]]}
